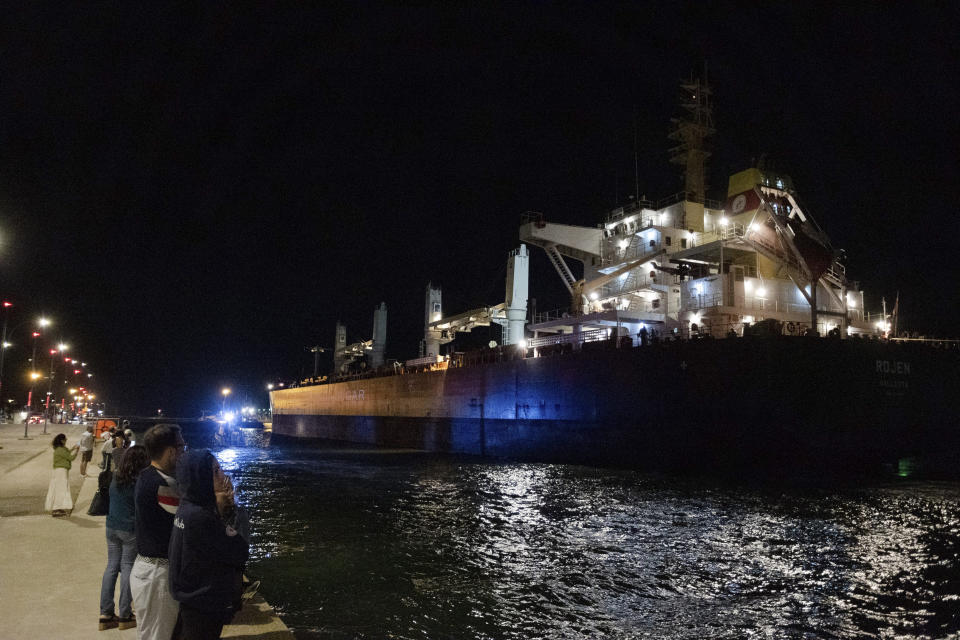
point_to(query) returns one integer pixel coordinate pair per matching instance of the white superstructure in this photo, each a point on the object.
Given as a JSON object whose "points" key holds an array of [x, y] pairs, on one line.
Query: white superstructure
{"points": [[689, 266]]}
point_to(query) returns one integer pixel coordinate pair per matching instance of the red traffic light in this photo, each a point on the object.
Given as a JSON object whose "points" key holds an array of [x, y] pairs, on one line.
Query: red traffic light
{"points": [[52, 351], [36, 334], [7, 304]]}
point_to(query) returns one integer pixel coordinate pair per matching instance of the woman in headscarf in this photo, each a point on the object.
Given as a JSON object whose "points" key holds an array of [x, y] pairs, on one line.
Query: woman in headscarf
{"points": [[208, 547], [59, 500]]}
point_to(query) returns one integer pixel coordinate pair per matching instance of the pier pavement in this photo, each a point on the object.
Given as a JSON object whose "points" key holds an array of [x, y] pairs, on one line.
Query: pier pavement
{"points": [[50, 568]]}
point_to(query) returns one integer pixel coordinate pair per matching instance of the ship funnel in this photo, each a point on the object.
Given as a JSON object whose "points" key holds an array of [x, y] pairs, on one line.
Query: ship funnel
{"points": [[518, 285], [379, 335]]}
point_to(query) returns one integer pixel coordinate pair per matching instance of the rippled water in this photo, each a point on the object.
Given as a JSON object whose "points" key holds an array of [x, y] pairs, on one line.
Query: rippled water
{"points": [[363, 544]]}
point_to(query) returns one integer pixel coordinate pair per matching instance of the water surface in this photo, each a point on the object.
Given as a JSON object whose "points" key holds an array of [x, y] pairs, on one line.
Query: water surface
{"points": [[365, 544]]}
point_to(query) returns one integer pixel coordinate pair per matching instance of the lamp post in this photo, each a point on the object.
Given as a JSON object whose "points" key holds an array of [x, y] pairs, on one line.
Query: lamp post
{"points": [[223, 404], [3, 341], [26, 423], [33, 372], [42, 322], [46, 409]]}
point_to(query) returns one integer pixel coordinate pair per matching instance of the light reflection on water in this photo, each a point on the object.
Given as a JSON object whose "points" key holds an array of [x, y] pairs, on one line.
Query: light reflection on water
{"points": [[363, 544]]}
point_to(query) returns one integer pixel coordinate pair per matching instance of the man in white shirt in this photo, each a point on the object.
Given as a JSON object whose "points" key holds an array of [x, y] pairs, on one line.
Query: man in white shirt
{"points": [[106, 450], [86, 449]]}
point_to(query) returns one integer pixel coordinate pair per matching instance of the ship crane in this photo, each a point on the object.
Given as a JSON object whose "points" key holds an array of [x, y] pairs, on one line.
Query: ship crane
{"points": [[371, 350], [510, 314]]}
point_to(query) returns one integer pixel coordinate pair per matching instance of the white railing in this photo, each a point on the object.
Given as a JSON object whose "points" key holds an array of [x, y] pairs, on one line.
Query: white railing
{"points": [[592, 335], [705, 301], [553, 314], [419, 362]]}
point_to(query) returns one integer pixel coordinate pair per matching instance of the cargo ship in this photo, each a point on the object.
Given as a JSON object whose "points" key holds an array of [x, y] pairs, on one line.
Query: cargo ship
{"points": [[700, 334]]}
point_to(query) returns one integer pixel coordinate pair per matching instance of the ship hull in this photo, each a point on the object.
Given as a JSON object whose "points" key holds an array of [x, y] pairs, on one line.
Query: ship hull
{"points": [[740, 403]]}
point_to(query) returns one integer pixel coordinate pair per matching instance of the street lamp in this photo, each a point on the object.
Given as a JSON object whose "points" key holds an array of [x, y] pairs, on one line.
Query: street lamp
{"points": [[41, 322], [33, 364], [46, 410], [26, 422], [3, 342], [223, 405]]}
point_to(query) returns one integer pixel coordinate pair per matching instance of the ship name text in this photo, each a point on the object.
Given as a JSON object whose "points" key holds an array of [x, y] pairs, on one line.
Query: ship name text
{"points": [[893, 366]]}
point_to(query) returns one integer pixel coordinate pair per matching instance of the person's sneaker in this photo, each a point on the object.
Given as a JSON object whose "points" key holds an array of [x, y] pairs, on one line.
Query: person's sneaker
{"points": [[108, 622], [127, 623], [250, 590]]}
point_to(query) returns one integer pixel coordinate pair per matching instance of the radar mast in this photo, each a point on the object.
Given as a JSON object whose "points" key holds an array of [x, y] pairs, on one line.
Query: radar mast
{"points": [[691, 131]]}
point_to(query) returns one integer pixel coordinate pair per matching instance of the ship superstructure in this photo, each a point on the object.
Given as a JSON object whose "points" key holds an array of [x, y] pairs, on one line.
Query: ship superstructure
{"points": [[690, 266]]}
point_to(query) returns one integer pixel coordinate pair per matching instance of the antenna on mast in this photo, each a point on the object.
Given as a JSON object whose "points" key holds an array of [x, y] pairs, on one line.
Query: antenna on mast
{"points": [[636, 169], [691, 131]]}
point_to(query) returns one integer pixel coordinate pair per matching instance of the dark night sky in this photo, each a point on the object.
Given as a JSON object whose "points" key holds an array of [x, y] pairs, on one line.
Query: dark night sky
{"points": [[196, 194]]}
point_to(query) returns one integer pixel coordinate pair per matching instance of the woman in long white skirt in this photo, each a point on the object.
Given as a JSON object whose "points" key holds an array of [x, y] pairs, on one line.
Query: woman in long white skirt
{"points": [[59, 500]]}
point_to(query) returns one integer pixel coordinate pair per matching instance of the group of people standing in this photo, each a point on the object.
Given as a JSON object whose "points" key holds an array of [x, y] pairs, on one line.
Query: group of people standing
{"points": [[175, 538], [115, 442]]}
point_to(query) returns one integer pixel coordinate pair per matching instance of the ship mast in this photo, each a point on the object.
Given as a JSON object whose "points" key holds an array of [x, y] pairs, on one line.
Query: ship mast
{"points": [[691, 131]]}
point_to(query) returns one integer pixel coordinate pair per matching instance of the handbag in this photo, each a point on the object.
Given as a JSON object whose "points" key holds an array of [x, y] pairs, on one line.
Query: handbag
{"points": [[100, 505]]}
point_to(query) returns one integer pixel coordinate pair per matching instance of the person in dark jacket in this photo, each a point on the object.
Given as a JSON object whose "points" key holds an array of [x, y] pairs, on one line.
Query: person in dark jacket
{"points": [[208, 547]]}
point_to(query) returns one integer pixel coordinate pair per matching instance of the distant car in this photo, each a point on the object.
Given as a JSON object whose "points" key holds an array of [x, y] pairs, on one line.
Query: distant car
{"points": [[35, 419]]}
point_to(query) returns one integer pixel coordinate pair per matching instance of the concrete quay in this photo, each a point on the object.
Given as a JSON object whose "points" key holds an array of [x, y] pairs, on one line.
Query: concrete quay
{"points": [[51, 568]]}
